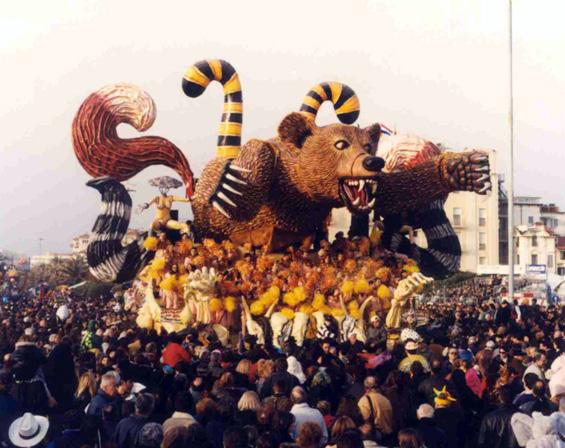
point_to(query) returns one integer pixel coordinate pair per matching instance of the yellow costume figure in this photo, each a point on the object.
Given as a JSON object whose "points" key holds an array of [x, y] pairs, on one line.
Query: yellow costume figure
{"points": [[163, 218]]}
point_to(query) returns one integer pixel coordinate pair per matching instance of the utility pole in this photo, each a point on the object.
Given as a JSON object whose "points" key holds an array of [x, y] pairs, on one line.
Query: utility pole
{"points": [[40, 246], [511, 168]]}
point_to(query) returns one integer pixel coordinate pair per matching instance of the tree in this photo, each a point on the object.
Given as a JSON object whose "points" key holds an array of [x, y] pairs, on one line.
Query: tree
{"points": [[59, 272]]}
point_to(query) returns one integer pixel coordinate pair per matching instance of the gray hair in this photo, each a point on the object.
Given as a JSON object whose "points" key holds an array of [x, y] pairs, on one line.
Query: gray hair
{"points": [[425, 411], [298, 395], [106, 379]]}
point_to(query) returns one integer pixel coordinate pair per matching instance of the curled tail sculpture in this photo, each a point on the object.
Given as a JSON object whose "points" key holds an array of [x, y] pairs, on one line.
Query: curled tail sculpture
{"points": [[100, 150], [107, 258], [195, 81], [343, 98]]}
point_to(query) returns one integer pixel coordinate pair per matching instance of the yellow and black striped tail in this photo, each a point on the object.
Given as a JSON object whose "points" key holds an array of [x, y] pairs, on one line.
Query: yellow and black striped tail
{"points": [[195, 81], [344, 99]]}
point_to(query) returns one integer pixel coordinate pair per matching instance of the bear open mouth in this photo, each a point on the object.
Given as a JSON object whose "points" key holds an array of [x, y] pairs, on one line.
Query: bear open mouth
{"points": [[358, 193]]}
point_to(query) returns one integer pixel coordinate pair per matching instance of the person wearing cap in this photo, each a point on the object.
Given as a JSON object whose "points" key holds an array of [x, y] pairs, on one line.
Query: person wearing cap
{"points": [[28, 431], [411, 349], [449, 417], [376, 329]]}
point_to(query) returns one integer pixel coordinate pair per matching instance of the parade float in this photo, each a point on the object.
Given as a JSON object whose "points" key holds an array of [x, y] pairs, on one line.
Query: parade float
{"points": [[256, 255]]}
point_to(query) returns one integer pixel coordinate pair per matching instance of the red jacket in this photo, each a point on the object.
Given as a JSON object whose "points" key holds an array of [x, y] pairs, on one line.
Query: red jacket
{"points": [[174, 353]]}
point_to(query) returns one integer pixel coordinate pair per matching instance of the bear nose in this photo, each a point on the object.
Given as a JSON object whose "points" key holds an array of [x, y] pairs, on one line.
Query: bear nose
{"points": [[373, 163]]}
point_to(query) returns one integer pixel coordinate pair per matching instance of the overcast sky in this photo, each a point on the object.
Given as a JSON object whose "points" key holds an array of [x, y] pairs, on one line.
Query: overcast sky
{"points": [[435, 68]]}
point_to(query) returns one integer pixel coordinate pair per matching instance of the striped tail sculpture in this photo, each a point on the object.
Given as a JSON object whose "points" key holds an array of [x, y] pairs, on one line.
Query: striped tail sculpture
{"points": [[194, 83], [108, 259], [343, 98]]}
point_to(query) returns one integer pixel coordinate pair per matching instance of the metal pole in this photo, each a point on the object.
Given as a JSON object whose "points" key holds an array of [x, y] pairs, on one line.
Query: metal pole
{"points": [[40, 246], [511, 168]]}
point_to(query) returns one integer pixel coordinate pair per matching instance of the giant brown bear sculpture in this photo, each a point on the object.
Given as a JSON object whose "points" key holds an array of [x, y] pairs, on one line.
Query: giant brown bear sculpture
{"points": [[279, 191]]}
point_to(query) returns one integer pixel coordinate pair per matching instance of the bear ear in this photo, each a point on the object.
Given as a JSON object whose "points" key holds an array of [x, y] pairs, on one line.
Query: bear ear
{"points": [[374, 132], [295, 129]]}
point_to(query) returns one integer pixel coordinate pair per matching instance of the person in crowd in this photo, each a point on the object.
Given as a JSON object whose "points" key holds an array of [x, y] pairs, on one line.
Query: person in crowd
{"points": [[430, 433], [182, 416], [496, 430], [303, 414], [376, 409], [128, 429], [280, 374]]}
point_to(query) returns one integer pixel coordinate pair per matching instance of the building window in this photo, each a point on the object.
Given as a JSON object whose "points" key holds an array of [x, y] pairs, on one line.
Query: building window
{"points": [[562, 254], [534, 258], [560, 271], [534, 241], [482, 260], [517, 242], [550, 261], [457, 219], [482, 217], [518, 259], [482, 241], [530, 220]]}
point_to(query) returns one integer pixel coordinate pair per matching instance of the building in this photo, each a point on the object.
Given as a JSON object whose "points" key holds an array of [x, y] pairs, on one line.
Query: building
{"points": [[535, 245], [553, 219], [80, 243], [527, 210], [560, 255], [474, 217]]}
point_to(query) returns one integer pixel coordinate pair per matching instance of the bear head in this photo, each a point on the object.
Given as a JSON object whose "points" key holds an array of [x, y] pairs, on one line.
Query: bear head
{"points": [[334, 163]]}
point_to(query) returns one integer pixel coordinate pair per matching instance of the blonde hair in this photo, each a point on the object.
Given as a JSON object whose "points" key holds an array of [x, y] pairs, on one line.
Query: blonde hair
{"points": [[243, 367], [341, 425], [265, 368], [86, 381], [249, 401]]}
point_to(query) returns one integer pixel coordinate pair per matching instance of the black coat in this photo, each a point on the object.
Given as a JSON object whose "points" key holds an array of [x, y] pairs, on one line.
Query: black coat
{"points": [[432, 436], [496, 431], [127, 431], [287, 379], [60, 375], [26, 359]]}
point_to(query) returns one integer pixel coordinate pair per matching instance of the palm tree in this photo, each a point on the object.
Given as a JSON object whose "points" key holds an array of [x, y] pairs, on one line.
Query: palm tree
{"points": [[73, 271]]}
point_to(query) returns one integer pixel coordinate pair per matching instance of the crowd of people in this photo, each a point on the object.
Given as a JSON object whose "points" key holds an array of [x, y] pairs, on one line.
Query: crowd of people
{"points": [[480, 372]]}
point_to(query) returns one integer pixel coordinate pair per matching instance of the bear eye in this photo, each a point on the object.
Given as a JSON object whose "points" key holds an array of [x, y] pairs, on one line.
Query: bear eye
{"points": [[341, 144], [367, 147]]}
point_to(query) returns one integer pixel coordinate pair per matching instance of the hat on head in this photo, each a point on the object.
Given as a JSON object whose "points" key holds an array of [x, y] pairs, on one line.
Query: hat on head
{"points": [[490, 345], [442, 397], [408, 333], [411, 345], [28, 430]]}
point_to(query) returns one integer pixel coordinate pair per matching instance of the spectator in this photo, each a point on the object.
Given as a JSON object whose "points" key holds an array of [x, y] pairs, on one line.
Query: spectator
{"points": [[310, 435], [375, 408], [182, 416], [128, 429], [496, 430], [305, 414], [431, 435]]}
